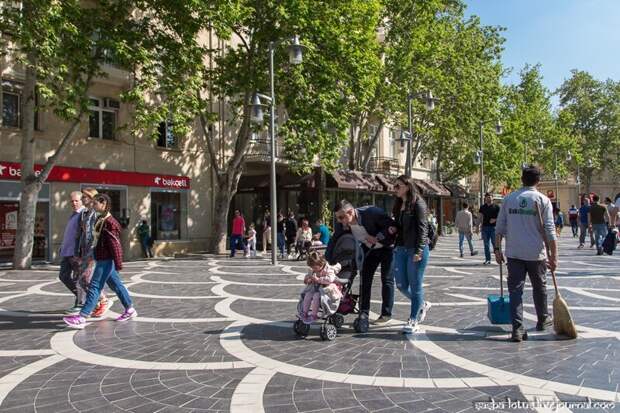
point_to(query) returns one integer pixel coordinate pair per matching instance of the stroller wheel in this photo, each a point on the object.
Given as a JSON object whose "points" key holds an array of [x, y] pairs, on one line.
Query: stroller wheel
{"points": [[337, 320], [360, 325], [328, 332], [300, 328]]}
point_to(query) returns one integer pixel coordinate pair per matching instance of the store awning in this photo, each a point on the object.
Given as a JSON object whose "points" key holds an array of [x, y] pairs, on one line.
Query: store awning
{"points": [[346, 179], [388, 183], [457, 191], [431, 188], [252, 182], [296, 181]]}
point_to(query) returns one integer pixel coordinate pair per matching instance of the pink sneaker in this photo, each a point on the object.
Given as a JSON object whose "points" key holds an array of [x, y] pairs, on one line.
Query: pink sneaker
{"points": [[75, 321], [128, 314]]}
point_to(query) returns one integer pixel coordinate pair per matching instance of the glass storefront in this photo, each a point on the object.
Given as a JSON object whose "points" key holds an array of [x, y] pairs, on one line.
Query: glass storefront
{"points": [[168, 214], [9, 211]]}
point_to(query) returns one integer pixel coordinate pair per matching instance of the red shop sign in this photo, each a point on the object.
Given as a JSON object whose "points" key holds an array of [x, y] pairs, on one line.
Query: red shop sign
{"points": [[12, 171]]}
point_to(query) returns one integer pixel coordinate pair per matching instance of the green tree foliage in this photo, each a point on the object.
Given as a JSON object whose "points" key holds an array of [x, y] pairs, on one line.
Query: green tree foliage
{"points": [[314, 99], [590, 110], [61, 46]]}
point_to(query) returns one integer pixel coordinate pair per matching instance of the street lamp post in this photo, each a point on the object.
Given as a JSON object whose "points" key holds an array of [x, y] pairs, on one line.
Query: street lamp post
{"points": [[498, 130], [295, 57], [430, 105]]}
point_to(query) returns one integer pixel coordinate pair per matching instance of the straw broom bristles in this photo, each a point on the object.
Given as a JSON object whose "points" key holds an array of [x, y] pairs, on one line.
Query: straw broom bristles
{"points": [[562, 320]]}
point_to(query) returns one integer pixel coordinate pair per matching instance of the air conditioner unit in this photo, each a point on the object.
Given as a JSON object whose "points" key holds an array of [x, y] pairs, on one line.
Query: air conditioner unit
{"points": [[111, 103]]}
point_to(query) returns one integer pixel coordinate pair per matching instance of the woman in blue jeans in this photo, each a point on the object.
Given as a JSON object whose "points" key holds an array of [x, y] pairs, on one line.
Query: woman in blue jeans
{"points": [[411, 249], [109, 258]]}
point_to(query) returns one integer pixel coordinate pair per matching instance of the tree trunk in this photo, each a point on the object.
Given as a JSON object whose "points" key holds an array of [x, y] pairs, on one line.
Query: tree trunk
{"points": [[352, 147], [22, 257], [223, 198]]}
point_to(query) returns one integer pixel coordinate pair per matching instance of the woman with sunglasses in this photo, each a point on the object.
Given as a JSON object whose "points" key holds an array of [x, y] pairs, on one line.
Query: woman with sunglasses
{"points": [[411, 250]]}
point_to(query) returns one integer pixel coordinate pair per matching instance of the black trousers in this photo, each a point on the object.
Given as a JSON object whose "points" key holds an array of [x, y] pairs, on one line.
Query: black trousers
{"points": [[372, 260], [536, 270], [69, 271]]}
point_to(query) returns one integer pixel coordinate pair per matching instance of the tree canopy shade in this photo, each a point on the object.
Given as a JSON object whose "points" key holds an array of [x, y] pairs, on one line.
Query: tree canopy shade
{"points": [[62, 47], [314, 113]]}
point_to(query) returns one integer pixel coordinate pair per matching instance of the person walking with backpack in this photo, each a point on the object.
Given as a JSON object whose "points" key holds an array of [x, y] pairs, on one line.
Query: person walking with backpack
{"points": [[573, 217], [411, 250], [464, 225], [519, 223], [598, 217], [488, 215]]}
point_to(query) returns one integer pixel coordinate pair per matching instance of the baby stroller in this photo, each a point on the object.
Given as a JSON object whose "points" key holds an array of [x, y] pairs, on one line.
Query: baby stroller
{"points": [[331, 315]]}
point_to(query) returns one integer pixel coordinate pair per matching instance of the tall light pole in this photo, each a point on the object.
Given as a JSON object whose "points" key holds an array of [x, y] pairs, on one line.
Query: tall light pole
{"points": [[498, 130], [555, 176], [295, 50], [430, 105]]}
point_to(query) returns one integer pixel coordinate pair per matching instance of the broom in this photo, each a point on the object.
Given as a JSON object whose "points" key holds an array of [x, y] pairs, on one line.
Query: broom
{"points": [[563, 323]]}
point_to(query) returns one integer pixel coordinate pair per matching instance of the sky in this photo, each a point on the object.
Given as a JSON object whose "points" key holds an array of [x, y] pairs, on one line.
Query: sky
{"points": [[561, 35]]}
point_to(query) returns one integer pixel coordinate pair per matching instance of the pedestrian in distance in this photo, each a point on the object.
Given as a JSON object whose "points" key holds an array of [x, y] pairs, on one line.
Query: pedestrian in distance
{"points": [[250, 242], [559, 221], [584, 228], [280, 230], [144, 233], [370, 226], [69, 261], [236, 235], [573, 218], [304, 237], [464, 225], [323, 231], [411, 250], [109, 257], [518, 222], [488, 216], [290, 233], [609, 204], [598, 219], [266, 230]]}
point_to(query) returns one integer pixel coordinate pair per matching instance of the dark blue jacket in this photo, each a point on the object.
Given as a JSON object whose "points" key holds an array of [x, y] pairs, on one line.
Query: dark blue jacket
{"points": [[374, 220]]}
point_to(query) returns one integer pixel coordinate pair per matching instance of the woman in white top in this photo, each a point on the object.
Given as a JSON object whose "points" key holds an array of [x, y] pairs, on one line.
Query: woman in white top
{"points": [[304, 236]]}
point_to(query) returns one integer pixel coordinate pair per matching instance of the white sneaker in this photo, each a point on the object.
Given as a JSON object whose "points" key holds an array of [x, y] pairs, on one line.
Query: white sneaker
{"points": [[422, 313], [411, 327]]}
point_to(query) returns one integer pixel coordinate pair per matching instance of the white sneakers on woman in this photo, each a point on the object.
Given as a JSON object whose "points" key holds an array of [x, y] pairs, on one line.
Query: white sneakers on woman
{"points": [[413, 326]]}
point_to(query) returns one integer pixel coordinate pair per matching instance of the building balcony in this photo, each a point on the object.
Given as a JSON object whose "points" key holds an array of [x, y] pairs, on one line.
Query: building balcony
{"points": [[385, 166], [260, 151]]}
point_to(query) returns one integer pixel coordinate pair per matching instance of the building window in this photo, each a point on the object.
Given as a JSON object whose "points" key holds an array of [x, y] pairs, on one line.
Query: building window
{"points": [[168, 214], [102, 118], [166, 137], [11, 104]]}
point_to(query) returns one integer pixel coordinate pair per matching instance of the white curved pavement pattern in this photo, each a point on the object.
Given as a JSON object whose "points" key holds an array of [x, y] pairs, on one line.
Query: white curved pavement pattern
{"points": [[215, 334]]}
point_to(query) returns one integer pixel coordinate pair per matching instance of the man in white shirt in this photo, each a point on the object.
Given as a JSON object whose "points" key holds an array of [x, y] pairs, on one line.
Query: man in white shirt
{"points": [[465, 225], [519, 221]]}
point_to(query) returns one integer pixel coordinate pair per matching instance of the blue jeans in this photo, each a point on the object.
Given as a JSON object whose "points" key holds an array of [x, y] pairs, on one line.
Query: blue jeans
{"points": [[105, 273], [462, 236], [281, 242], [488, 239], [600, 232], [409, 276], [234, 241]]}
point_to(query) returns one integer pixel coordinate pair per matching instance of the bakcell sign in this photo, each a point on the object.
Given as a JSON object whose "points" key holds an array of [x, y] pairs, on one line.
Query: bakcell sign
{"points": [[12, 171]]}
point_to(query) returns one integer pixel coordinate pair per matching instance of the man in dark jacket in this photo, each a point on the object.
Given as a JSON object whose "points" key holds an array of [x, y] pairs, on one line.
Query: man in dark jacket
{"points": [[373, 230]]}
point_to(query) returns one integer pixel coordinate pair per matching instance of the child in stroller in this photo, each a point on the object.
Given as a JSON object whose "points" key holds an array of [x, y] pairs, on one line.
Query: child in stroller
{"points": [[334, 301]]}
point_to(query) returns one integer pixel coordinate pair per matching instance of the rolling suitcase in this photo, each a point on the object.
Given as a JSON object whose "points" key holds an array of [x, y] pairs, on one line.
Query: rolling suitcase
{"points": [[499, 305]]}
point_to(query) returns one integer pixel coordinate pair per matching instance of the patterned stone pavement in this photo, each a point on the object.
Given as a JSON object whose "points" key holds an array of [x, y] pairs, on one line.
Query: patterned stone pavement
{"points": [[215, 334]]}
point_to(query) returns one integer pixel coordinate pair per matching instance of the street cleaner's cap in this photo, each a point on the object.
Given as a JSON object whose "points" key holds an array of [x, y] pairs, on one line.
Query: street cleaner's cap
{"points": [[91, 192]]}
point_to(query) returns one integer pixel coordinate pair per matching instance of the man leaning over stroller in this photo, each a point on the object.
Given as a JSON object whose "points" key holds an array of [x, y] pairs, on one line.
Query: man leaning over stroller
{"points": [[373, 230]]}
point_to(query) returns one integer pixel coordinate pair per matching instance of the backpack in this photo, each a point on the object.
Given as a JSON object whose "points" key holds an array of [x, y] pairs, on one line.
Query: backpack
{"points": [[432, 236]]}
